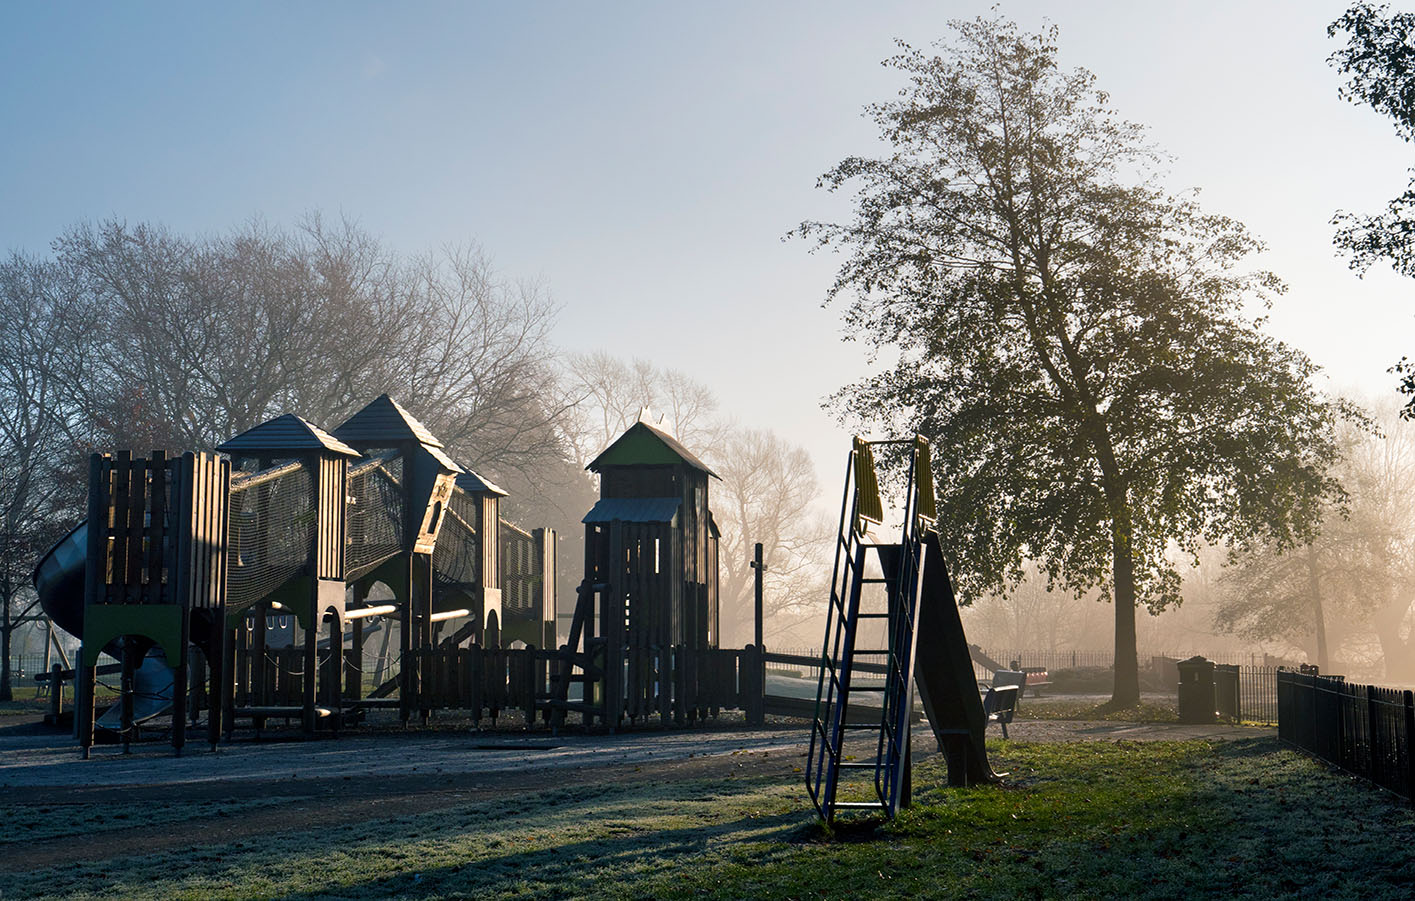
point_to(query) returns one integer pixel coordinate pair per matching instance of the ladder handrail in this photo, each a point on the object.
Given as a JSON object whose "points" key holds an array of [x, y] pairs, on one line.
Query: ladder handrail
{"points": [[902, 586]]}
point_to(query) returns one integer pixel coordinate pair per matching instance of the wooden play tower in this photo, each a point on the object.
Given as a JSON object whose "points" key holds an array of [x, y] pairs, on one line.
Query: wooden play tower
{"points": [[648, 605]]}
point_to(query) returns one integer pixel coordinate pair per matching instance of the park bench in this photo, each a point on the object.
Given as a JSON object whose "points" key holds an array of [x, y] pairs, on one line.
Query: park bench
{"points": [[1000, 701], [1036, 680]]}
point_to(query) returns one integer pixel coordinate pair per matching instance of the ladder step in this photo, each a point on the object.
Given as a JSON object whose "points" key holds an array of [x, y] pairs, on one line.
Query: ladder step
{"points": [[858, 805], [850, 765]]}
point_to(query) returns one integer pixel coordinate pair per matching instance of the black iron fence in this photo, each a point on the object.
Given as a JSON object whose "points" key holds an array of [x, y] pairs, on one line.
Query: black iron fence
{"points": [[1364, 729], [1257, 694]]}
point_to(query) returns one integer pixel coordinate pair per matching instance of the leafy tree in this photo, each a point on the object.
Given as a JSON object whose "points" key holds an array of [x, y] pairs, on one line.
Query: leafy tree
{"points": [[1353, 584], [1069, 337], [1379, 58]]}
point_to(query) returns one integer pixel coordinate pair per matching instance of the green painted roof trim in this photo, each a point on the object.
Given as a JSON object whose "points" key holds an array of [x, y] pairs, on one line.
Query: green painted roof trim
{"points": [[644, 445]]}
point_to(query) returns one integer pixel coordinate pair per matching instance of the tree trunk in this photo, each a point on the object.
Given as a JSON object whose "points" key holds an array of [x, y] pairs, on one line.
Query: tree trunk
{"points": [[1386, 621], [1314, 583], [1126, 692], [7, 692]]}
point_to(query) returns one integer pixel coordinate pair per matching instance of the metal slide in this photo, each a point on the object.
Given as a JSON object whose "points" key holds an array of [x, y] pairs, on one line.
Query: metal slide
{"points": [[943, 672]]}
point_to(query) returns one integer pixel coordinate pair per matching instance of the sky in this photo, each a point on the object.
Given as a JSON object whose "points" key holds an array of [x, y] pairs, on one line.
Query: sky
{"points": [[644, 161]]}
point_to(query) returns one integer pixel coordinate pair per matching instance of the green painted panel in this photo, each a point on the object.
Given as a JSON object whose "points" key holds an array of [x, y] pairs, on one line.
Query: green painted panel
{"points": [[638, 447], [160, 622]]}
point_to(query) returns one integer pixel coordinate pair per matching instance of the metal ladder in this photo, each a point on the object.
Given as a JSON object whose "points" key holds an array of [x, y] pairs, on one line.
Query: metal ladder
{"points": [[900, 565]]}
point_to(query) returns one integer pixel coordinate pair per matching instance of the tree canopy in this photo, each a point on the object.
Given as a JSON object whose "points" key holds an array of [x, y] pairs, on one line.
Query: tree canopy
{"points": [[1071, 339], [1379, 60]]}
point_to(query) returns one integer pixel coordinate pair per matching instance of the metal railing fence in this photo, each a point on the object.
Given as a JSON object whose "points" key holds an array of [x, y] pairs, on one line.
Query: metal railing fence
{"points": [[1364, 729]]}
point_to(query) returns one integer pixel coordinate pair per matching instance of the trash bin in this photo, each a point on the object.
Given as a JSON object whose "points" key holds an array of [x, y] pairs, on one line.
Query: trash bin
{"points": [[1226, 701], [1196, 690]]}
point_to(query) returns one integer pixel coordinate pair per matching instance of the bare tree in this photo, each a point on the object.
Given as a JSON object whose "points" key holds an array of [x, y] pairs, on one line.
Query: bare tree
{"points": [[199, 339], [606, 395], [767, 490], [36, 450]]}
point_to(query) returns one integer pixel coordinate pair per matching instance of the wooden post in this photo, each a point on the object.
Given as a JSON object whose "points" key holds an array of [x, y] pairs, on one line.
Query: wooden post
{"points": [[180, 679], [227, 685], [423, 563], [612, 628], [125, 697], [85, 685], [407, 667], [758, 568], [311, 666], [335, 668], [56, 693], [95, 576]]}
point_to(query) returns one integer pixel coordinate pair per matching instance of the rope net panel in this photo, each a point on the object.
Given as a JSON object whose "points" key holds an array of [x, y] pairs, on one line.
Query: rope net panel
{"points": [[272, 531], [374, 528], [456, 557]]}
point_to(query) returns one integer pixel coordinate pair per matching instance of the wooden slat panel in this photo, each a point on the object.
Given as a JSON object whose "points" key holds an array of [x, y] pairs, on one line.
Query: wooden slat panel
{"points": [[137, 507], [122, 471]]}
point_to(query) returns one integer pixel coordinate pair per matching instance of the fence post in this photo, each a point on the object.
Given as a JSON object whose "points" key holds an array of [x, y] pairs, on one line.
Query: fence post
{"points": [[56, 694], [753, 674], [1340, 732], [1373, 738], [1409, 743]]}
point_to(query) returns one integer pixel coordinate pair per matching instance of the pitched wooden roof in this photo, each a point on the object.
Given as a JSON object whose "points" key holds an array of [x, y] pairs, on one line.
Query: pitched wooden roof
{"points": [[287, 435], [383, 420], [641, 445], [472, 483]]}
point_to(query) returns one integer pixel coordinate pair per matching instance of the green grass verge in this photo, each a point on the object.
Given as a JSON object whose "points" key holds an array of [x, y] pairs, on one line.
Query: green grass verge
{"points": [[1084, 820], [1064, 708]]}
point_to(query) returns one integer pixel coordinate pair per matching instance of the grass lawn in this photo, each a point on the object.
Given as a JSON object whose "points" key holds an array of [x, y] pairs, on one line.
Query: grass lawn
{"points": [[1107, 820], [1060, 707]]}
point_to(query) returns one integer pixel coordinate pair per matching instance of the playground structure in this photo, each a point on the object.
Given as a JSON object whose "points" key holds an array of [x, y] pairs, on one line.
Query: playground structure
{"points": [[187, 568], [902, 588], [186, 565], [184, 555]]}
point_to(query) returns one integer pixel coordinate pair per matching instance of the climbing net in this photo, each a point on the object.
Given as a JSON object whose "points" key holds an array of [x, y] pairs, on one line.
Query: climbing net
{"points": [[375, 513], [272, 531], [455, 562]]}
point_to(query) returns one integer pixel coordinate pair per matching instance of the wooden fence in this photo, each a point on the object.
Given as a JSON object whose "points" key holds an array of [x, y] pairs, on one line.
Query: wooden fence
{"points": [[1364, 729], [689, 683]]}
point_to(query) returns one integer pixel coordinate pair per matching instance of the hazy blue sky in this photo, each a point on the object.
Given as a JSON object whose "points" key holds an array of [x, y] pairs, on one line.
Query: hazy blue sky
{"points": [[643, 160]]}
